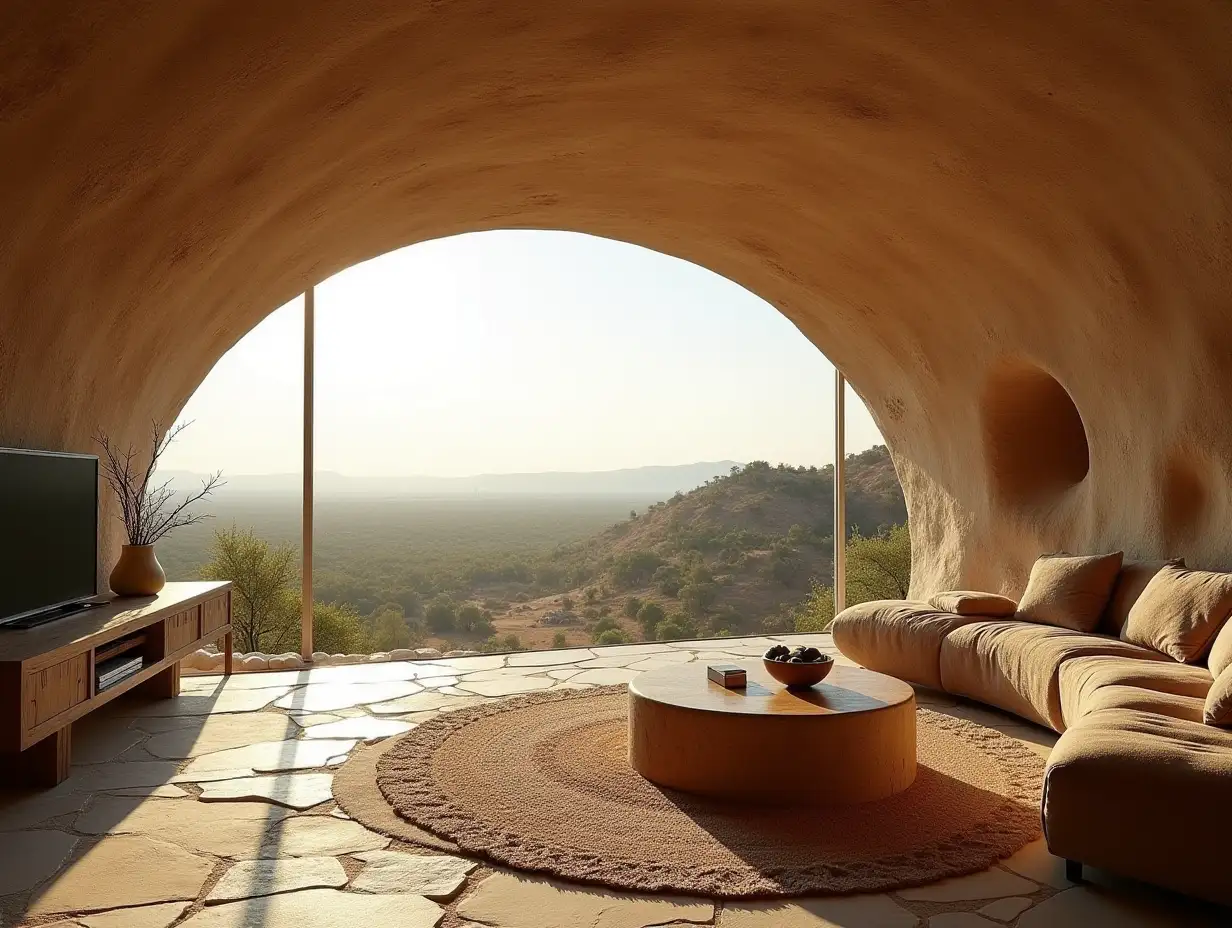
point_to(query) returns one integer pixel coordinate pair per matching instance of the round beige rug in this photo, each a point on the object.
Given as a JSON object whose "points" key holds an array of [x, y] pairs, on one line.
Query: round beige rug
{"points": [[542, 783]]}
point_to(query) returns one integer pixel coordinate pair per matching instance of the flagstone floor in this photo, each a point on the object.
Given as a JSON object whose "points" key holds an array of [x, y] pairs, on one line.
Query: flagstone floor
{"points": [[214, 810]]}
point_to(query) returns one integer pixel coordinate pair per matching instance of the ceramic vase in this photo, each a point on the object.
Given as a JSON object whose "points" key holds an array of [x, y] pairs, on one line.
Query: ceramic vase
{"points": [[137, 572]]}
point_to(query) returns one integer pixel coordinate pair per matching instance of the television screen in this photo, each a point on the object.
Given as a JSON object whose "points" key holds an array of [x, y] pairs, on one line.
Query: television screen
{"points": [[48, 530]]}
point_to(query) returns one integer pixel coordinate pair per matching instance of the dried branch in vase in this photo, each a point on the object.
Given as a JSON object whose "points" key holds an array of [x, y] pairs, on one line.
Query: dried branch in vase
{"points": [[150, 510]]}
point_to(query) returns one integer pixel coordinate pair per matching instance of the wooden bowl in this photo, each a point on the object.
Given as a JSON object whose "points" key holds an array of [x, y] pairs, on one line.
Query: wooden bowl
{"points": [[800, 676]]}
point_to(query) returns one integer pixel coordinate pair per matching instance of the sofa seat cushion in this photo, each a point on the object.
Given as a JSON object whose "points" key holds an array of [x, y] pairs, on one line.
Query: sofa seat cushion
{"points": [[896, 637], [1083, 680], [1186, 708], [1015, 665], [1145, 796]]}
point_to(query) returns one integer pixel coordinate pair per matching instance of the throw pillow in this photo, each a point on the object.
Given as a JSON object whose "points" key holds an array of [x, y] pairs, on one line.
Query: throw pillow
{"points": [[1069, 592], [1218, 708], [1221, 651], [1131, 581], [1180, 612], [966, 602]]}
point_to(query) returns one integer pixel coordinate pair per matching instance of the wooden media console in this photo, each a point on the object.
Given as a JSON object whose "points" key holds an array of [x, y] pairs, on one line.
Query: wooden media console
{"points": [[48, 673]]}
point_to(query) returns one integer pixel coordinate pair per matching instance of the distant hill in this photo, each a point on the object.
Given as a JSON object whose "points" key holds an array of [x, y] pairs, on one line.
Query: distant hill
{"points": [[764, 502], [740, 548], [658, 481]]}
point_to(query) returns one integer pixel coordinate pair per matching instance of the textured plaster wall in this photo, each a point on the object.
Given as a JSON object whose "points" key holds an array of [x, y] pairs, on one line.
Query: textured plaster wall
{"points": [[963, 204]]}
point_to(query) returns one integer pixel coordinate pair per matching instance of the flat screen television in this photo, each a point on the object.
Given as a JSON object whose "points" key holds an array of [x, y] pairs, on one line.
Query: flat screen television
{"points": [[48, 532]]}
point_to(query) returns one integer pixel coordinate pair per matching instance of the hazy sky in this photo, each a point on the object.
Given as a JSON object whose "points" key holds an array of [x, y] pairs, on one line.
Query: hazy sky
{"points": [[509, 352]]}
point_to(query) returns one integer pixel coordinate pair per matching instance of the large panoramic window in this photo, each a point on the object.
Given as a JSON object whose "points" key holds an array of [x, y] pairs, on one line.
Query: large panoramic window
{"points": [[531, 440]]}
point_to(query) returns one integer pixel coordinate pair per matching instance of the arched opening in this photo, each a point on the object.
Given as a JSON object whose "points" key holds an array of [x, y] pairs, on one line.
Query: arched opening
{"points": [[481, 401], [1035, 444]]}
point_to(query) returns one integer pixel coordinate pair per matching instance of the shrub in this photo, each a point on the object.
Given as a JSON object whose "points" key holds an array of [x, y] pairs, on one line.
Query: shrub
{"points": [[612, 636], [471, 620], [388, 630], [502, 643], [671, 630], [559, 640], [816, 612], [441, 614], [336, 627], [631, 607], [411, 603], [700, 573], [604, 625], [727, 617], [566, 603], [265, 606], [667, 580], [698, 597], [649, 617], [879, 567], [777, 624], [634, 568]]}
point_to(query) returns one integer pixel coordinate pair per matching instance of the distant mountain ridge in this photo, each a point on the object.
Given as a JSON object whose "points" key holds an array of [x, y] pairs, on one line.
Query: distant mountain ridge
{"points": [[658, 481]]}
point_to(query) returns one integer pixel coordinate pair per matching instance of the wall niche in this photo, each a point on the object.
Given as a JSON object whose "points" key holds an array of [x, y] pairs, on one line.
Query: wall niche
{"points": [[1035, 444]]}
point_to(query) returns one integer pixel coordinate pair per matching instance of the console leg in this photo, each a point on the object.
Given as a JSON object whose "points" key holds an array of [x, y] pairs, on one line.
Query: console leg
{"points": [[1073, 871], [165, 684], [226, 653], [44, 764]]}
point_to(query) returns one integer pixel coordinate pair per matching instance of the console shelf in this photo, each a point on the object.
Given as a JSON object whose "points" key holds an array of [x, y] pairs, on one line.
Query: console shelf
{"points": [[47, 678]]}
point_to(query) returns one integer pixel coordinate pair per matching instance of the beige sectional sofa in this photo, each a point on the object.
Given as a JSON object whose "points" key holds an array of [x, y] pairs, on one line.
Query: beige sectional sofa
{"points": [[1140, 782]]}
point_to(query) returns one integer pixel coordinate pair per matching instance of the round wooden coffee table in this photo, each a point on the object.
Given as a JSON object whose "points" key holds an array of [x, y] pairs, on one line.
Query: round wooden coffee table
{"points": [[849, 739]]}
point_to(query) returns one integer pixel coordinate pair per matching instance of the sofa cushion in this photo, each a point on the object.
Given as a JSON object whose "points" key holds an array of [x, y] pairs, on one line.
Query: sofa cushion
{"points": [[1130, 583], [1218, 707], [902, 639], [1150, 685], [966, 602], [1180, 612], [1188, 708], [1145, 796], [1069, 592], [1218, 710], [1220, 658], [1015, 665]]}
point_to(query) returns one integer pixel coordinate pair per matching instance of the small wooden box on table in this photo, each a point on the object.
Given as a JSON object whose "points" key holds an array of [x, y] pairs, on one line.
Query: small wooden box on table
{"points": [[47, 673]]}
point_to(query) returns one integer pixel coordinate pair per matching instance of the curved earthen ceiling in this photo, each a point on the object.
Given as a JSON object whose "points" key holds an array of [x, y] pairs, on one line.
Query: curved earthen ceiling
{"points": [[932, 192]]}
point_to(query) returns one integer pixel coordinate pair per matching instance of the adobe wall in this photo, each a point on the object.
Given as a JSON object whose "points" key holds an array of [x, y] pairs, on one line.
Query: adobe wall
{"points": [[1008, 223]]}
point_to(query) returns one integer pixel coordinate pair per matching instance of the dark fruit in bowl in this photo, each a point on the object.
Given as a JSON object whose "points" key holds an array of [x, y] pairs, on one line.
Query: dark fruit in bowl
{"points": [[798, 673], [811, 654], [780, 652]]}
